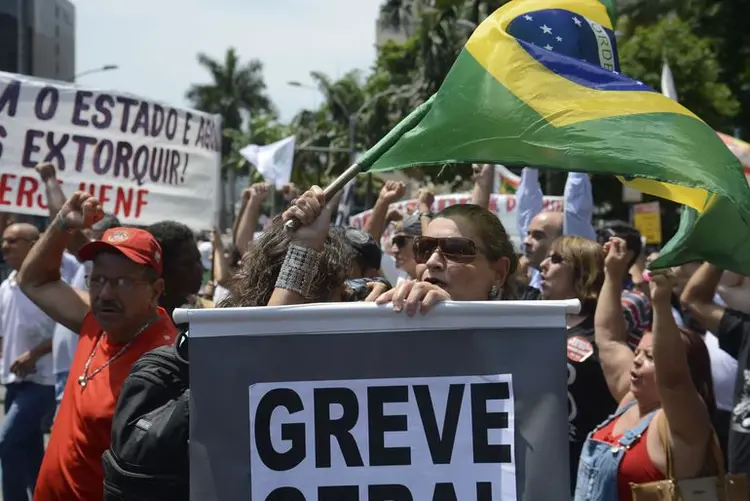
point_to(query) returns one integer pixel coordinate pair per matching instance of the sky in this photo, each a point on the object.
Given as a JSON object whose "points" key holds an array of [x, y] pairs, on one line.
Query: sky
{"points": [[155, 43]]}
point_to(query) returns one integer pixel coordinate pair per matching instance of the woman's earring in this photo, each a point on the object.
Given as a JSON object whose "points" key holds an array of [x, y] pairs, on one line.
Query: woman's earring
{"points": [[494, 292]]}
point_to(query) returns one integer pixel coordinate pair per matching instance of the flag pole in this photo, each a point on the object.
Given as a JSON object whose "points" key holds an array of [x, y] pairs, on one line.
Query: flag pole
{"points": [[330, 191], [371, 156]]}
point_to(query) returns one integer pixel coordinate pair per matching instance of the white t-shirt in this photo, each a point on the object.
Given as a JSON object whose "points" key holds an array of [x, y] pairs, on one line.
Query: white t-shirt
{"points": [[723, 365], [23, 326], [723, 372], [65, 341]]}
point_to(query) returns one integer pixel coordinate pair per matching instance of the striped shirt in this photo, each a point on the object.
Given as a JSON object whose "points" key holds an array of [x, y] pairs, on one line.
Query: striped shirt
{"points": [[636, 308]]}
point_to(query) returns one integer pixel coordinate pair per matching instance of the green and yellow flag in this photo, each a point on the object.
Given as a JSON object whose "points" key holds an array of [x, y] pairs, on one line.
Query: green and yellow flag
{"points": [[539, 83]]}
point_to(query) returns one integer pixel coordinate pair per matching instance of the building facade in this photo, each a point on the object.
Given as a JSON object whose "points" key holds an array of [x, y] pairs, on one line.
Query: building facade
{"points": [[37, 37]]}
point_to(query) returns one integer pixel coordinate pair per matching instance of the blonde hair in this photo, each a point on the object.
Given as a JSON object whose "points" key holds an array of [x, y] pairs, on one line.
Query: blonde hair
{"points": [[587, 259]]}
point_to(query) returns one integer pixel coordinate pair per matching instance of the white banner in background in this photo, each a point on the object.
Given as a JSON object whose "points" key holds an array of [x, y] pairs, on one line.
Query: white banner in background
{"points": [[144, 161], [504, 206]]}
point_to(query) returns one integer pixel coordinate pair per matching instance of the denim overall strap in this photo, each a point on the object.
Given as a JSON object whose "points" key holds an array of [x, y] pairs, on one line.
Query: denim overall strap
{"points": [[632, 435], [612, 417], [597, 469]]}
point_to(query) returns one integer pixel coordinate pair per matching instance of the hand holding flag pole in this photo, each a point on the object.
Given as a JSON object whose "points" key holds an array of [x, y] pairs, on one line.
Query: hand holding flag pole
{"points": [[369, 158]]}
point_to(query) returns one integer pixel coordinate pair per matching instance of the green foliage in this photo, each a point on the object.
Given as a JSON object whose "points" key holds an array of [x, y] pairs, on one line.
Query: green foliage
{"points": [[235, 91], [694, 64]]}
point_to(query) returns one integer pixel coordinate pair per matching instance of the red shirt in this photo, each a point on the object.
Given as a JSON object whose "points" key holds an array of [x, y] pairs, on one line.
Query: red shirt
{"points": [[636, 465], [72, 466]]}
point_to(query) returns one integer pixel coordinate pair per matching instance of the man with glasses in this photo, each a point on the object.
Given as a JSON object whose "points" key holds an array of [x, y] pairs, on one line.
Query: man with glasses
{"points": [[26, 371], [402, 243], [117, 320]]}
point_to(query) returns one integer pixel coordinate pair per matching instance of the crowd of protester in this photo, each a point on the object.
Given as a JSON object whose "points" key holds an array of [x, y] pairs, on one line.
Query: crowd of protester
{"points": [[657, 362]]}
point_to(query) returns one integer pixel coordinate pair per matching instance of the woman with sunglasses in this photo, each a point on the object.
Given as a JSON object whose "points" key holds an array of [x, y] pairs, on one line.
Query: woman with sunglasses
{"points": [[464, 254], [574, 269]]}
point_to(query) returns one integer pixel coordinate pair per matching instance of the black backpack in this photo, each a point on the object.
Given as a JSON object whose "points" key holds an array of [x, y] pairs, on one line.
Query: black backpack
{"points": [[147, 457]]}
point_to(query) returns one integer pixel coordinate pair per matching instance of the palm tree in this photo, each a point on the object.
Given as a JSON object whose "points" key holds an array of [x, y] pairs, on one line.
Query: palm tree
{"points": [[236, 90]]}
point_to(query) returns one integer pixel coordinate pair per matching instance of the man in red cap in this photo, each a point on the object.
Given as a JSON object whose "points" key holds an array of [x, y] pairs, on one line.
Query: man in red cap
{"points": [[118, 320]]}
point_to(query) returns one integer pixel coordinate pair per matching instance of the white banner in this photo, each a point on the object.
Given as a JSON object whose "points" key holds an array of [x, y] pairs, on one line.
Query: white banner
{"points": [[385, 439], [144, 161], [504, 206]]}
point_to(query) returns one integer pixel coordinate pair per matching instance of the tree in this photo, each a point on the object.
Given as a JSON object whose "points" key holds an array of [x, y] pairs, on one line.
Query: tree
{"points": [[693, 62], [236, 91]]}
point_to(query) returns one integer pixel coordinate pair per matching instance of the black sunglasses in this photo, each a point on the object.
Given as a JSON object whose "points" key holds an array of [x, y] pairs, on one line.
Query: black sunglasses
{"points": [[457, 249], [400, 241], [556, 258]]}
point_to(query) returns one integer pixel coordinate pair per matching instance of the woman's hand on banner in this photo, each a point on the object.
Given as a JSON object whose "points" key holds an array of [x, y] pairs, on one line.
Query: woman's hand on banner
{"points": [[377, 289], [80, 211], [315, 215], [414, 296]]}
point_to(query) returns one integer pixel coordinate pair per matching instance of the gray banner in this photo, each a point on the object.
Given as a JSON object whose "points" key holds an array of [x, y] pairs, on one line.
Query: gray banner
{"points": [[224, 366]]}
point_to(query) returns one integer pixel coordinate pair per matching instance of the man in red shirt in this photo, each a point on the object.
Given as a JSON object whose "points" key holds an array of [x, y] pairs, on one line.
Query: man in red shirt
{"points": [[118, 320]]}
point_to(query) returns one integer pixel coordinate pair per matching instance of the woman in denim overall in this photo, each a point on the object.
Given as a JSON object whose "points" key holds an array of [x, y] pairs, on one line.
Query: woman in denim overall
{"points": [[668, 377]]}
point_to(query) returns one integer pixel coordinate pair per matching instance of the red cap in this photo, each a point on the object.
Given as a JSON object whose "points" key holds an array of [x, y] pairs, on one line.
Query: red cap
{"points": [[135, 244]]}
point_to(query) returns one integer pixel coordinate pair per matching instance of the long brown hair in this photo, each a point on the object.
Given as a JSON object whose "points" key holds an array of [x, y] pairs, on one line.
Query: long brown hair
{"points": [[254, 281], [495, 240]]}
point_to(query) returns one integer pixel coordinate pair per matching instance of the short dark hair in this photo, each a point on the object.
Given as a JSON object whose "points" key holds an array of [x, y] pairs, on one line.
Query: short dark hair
{"points": [[366, 250], [625, 231], [172, 237]]}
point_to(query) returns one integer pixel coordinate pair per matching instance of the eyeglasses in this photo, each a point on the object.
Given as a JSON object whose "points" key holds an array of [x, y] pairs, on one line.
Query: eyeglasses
{"points": [[119, 284], [457, 249], [400, 241]]}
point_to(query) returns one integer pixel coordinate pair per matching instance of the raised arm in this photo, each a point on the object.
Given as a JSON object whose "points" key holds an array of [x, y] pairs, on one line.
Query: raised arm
{"points": [[308, 241], [529, 198], [578, 206], [426, 200], [483, 180], [685, 411], [55, 201], [611, 333], [39, 276], [698, 297], [248, 221], [391, 192]]}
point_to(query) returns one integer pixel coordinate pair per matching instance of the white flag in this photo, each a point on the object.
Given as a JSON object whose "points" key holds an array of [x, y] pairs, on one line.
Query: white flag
{"points": [[667, 82], [274, 161]]}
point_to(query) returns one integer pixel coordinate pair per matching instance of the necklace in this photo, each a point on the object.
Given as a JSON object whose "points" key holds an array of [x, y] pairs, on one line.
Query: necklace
{"points": [[84, 378]]}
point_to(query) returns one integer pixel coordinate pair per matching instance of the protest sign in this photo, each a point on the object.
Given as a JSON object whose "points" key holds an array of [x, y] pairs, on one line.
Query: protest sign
{"points": [[441, 427], [306, 403], [504, 207], [143, 160]]}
